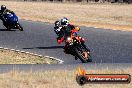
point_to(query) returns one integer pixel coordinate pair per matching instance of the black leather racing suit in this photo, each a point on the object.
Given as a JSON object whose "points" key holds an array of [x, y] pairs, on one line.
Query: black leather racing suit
{"points": [[4, 12]]}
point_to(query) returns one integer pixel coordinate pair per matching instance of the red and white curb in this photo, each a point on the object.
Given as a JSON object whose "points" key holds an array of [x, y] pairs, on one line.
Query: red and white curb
{"points": [[39, 55]]}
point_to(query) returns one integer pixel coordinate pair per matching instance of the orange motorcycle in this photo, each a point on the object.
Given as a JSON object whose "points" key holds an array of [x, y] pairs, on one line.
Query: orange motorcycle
{"points": [[75, 45]]}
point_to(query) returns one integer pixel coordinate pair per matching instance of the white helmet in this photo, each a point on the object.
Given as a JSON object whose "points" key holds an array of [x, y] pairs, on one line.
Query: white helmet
{"points": [[64, 21], [57, 23]]}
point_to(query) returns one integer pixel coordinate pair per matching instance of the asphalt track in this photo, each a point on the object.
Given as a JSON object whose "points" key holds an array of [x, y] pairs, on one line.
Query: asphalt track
{"points": [[60, 67], [107, 46], [112, 49]]}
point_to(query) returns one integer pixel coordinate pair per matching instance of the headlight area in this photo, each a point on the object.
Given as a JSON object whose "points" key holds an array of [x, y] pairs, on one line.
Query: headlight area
{"points": [[70, 41]]}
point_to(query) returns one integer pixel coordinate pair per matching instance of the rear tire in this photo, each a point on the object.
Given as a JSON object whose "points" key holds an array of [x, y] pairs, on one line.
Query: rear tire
{"points": [[8, 28]]}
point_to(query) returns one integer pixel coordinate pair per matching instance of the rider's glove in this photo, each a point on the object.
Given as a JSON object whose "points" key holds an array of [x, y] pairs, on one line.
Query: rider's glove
{"points": [[58, 30]]}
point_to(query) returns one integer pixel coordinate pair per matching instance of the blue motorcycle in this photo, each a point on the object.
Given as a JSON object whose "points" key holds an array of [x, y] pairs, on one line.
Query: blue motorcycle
{"points": [[11, 21]]}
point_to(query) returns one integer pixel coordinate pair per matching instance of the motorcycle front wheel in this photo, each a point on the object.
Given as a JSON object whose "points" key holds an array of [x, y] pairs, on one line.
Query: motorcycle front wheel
{"points": [[88, 52], [84, 55], [19, 27], [80, 56]]}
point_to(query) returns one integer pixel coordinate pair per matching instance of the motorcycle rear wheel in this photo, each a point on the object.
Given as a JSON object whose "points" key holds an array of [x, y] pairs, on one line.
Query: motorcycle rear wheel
{"points": [[8, 28]]}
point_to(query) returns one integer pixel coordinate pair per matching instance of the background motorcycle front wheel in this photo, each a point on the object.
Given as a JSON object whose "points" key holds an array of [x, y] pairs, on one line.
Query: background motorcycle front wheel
{"points": [[19, 27]]}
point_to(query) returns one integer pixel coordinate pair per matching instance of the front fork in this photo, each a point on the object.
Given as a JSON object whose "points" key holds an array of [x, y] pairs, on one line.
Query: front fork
{"points": [[85, 47], [74, 54], [82, 47]]}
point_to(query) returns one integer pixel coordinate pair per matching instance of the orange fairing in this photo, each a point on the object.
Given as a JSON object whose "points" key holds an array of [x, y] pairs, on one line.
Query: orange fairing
{"points": [[76, 29], [81, 71]]}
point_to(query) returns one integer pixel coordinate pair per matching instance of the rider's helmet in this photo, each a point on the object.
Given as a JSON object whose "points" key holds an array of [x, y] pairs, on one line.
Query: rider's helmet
{"points": [[3, 7], [57, 23], [64, 21]]}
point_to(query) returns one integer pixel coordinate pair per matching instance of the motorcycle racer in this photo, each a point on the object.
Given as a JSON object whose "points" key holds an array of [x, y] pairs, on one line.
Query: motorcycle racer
{"points": [[10, 19], [3, 11], [63, 29], [58, 30]]}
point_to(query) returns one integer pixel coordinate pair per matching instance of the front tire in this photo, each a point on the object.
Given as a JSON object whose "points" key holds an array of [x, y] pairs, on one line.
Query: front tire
{"points": [[78, 54], [19, 27], [7, 26], [88, 50], [85, 57]]}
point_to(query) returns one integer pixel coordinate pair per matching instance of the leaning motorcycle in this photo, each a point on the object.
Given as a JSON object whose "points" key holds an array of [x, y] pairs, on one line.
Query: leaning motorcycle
{"points": [[11, 21], [76, 46]]}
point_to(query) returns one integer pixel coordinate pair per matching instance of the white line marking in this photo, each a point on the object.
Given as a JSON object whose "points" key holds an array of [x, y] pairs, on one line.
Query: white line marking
{"points": [[60, 61], [17, 50], [22, 51], [36, 54], [27, 52], [1, 47], [6, 48], [12, 49], [40, 55]]}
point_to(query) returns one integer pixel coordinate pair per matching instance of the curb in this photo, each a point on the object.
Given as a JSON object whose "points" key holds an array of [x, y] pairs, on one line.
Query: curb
{"points": [[39, 55]]}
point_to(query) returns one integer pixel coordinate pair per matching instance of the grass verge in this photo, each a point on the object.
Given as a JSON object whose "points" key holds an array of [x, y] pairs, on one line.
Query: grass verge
{"points": [[109, 16], [12, 57], [56, 79]]}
